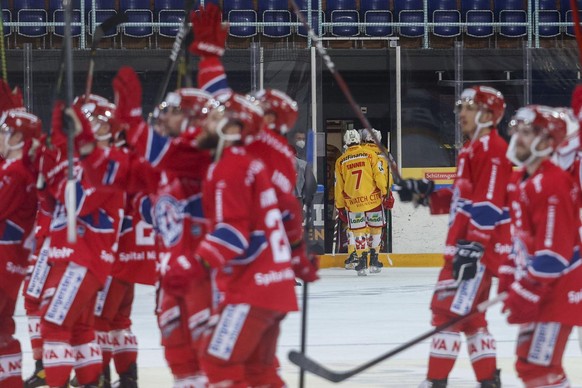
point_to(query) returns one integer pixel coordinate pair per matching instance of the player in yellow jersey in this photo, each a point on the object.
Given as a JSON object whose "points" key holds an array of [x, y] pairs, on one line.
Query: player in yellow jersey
{"points": [[360, 188], [376, 232]]}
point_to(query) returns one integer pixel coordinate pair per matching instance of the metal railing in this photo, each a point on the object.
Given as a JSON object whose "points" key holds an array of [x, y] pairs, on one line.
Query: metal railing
{"points": [[532, 25]]}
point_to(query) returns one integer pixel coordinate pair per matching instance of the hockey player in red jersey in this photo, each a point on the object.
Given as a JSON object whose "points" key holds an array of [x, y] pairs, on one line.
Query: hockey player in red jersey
{"points": [[78, 270], [17, 213], [247, 251], [544, 290], [475, 243], [270, 146], [169, 168]]}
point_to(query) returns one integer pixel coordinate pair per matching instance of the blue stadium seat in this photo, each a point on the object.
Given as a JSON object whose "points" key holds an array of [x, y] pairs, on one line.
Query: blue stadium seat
{"points": [[511, 11], [378, 16], [137, 11], [240, 11], [303, 4], [410, 11], [58, 16], [445, 11], [31, 11], [548, 13], [478, 11], [312, 18], [275, 11], [170, 11], [104, 9], [376, 11], [343, 11], [6, 18]]}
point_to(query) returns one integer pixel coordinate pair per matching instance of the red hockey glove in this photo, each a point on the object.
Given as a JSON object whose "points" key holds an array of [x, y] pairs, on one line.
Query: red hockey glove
{"points": [[305, 265], [84, 137], [467, 256], [31, 152], [181, 273], [523, 301], [128, 97], [209, 33], [341, 213], [53, 167], [388, 202]]}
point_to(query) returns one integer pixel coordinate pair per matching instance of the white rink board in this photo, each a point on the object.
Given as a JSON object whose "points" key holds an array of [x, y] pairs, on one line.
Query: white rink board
{"points": [[351, 320]]}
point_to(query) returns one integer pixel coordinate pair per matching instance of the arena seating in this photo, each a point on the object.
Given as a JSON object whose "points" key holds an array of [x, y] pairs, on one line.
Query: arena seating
{"points": [[448, 18]]}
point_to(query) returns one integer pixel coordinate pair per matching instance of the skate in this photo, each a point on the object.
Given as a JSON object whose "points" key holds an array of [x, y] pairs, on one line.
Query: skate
{"points": [[362, 266], [38, 376], [127, 379], [375, 263], [493, 383], [433, 384], [351, 261]]}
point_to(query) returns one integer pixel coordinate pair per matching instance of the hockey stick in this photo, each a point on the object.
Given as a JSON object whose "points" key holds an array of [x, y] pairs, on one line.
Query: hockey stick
{"points": [[577, 28], [346, 91], [174, 53], [308, 220], [312, 366], [108, 24], [335, 232], [3, 50], [70, 188]]}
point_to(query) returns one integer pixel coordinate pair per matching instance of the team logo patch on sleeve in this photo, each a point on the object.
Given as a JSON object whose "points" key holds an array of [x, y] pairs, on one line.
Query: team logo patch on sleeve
{"points": [[169, 219]]}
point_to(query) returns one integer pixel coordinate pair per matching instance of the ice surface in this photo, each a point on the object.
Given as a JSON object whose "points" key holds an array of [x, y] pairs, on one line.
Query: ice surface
{"points": [[351, 321]]}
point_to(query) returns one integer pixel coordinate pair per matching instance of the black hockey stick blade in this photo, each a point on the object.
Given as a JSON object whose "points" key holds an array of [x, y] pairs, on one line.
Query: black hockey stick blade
{"points": [[112, 22], [314, 367]]}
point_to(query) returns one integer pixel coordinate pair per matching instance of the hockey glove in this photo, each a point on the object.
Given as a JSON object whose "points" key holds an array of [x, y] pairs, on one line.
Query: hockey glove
{"points": [[506, 275], [209, 34], [523, 300], [304, 264], [84, 137], [181, 273], [128, 97], [467, 256], [341, 213], [416, 191], [388, 202]]}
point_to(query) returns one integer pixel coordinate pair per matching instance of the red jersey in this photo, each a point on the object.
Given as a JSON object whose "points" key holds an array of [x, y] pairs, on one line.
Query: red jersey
{"points": [[99, 214], [137, 253], [247, 245], [546, 242], [477, 201], [17, 214], [279, 161]]}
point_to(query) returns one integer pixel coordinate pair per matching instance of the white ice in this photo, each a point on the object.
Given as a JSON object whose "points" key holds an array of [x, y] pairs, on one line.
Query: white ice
{"points": [[351, 320]]}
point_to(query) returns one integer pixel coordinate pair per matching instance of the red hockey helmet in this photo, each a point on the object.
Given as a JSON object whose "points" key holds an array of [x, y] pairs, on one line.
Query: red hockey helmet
{"points": [[546, 122], [486, 98], [239, 108], [19, 120], [189, 100], [281, 105], [96, 107]]}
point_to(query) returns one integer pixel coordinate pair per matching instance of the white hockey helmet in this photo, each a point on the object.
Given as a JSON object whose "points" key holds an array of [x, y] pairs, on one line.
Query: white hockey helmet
{"points": [[368, 136], [352, 137]]}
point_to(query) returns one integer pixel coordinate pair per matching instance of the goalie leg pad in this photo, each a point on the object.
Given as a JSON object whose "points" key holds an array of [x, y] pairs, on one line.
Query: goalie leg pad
{"points": [[444, 350]]}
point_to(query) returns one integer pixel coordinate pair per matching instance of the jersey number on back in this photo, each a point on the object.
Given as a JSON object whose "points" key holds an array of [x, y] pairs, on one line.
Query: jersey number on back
{"points": [[358, 174], [277, 237]]}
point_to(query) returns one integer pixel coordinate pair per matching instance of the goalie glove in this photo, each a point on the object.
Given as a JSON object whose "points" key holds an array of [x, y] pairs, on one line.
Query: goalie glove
{"points": [[209, 34], [467, 256], [416, 191]]}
